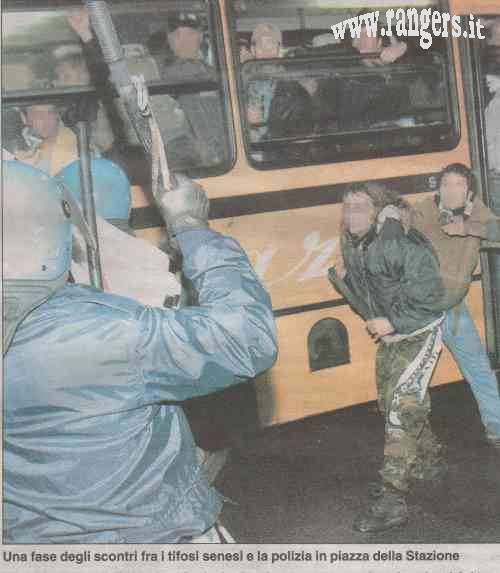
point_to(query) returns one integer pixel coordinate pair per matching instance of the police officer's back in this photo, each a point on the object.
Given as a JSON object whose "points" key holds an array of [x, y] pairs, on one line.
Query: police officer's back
{"points": [[96, 447]]}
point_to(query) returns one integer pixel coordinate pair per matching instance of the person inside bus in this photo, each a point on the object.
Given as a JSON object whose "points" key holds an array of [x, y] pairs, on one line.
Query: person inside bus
{"points": [[291, 115], [183, 57], [192, 122], [49, 144], [70, 69], [323, 93], [265, 44], [376, 100], [492, 124], [96, 448], [245, 51], [493, 33], [390, 276], [455, 220], [203, 110], [377, 51], [13, 142], [492, 54]]}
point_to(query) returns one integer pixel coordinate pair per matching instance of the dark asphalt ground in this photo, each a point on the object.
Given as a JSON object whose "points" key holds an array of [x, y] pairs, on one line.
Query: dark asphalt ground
{"points": [[305, 481]]}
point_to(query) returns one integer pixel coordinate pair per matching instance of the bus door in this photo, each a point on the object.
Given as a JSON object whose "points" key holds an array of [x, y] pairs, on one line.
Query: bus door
{"points": [[481, 80]]}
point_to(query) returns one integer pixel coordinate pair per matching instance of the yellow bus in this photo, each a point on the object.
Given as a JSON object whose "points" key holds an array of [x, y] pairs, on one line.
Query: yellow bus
{"points": [[276, 182]]}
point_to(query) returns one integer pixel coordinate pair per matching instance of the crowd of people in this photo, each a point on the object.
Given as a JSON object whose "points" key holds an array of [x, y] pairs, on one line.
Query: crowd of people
{"points": [[113, 373], [325, 88], [276, 106], [192, 123]]}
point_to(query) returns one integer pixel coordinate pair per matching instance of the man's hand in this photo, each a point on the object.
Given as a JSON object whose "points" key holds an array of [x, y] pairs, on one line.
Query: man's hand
{"points": [[379, 327], [493, 82], [78, 19], [254, 115], [393, 52], [245, 54], [456, 227], [338, 263], [311, 85], [185, 207]]}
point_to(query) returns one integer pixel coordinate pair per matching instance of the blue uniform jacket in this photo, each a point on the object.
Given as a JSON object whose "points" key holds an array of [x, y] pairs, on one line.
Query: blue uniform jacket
{"points": [[96, 447]]}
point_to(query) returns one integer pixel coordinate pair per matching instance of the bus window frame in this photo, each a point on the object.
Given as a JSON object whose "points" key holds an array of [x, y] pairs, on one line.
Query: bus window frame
{"points": [[250, 147], [56, 95], [157, 87], [215, 17]]}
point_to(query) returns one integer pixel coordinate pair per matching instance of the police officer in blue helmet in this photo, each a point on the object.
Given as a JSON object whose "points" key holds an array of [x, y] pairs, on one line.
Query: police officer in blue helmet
{"points": [[96, 446], [111, 189]]}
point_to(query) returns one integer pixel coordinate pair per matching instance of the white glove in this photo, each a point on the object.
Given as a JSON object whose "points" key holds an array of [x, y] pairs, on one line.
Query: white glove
{"points": [[185, 207]]}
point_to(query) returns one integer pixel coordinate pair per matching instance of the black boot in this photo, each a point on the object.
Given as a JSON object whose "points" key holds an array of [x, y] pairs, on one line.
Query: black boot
{"points": [[389, 510], [431, 470]]}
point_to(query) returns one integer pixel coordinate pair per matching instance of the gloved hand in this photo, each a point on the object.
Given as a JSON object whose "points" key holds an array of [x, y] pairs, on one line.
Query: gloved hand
{"points": [[185, 207]]}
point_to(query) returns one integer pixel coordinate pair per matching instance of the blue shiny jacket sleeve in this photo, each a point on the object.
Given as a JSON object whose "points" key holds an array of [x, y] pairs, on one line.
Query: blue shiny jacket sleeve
{"points": [[228, 338]]}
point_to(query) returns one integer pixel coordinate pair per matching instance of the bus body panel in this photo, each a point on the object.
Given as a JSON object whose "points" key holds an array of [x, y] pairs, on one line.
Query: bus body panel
{"points": [[291, 391]]}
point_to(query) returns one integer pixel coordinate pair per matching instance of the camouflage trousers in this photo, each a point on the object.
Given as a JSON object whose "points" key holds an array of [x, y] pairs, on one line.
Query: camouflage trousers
{"points": [[403, 373]]}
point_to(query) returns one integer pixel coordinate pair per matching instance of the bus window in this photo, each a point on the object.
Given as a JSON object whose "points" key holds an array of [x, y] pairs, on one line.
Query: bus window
{"points": [[308, 98], [174, 45]]}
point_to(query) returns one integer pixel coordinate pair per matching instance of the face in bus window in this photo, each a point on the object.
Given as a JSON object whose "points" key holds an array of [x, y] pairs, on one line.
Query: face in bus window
{"points": [[72, 72], [366, 44], [453, 191], [266, 42], [185, 42], [358, 214], [43, 120]]}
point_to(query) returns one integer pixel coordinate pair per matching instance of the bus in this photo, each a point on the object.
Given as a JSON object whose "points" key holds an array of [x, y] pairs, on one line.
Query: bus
{"points": [[275, 183]]}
